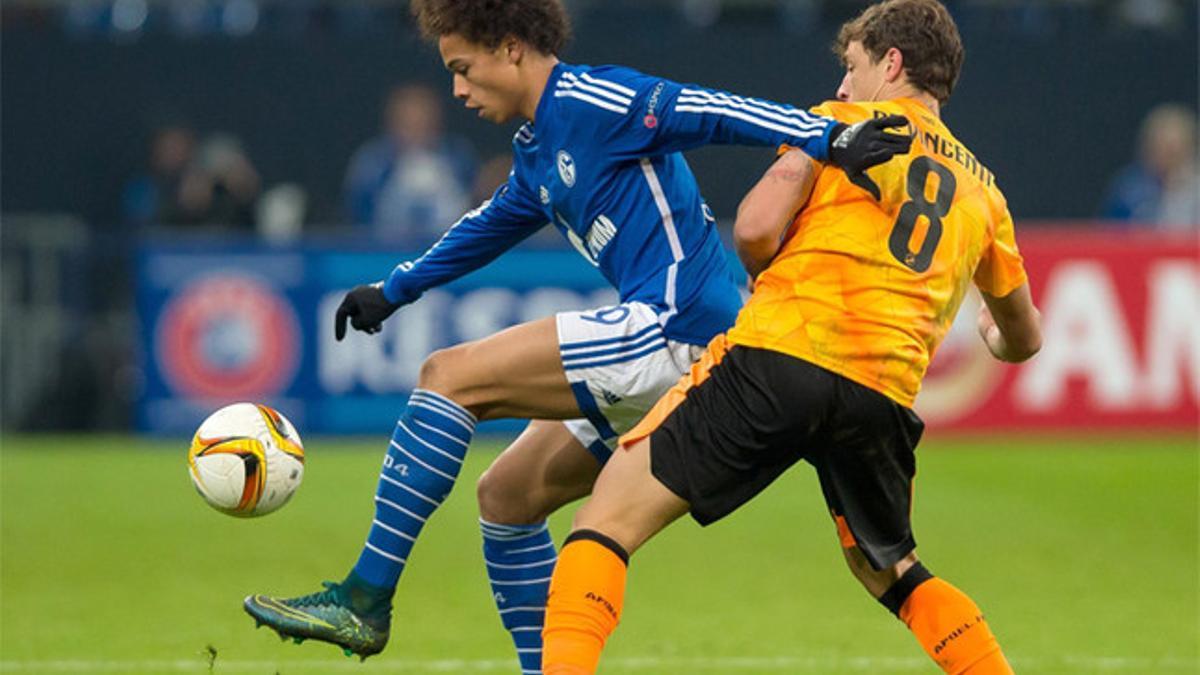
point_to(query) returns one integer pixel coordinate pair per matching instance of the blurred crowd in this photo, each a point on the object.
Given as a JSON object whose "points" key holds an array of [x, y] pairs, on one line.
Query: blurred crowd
{"points": [[412, 180], [1161, 187], [237, 18], [200, 145], [409, 182]]}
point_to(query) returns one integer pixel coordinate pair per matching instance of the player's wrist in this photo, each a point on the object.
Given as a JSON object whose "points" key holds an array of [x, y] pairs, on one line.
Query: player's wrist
{"points": [[395, 291], [996, 343]]}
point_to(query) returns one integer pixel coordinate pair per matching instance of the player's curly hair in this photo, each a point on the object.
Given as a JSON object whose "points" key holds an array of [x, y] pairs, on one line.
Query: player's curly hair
{"points": [[542, 24], [922, 30]]}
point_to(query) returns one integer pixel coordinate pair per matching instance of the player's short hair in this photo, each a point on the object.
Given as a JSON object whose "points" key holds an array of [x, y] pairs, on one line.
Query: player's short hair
{"points": [[542, 24], [922, 30]]}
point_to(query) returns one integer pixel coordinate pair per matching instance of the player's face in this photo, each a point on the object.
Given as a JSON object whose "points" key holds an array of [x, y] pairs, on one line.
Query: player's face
{"points": [[486, 80], [863, 79]]}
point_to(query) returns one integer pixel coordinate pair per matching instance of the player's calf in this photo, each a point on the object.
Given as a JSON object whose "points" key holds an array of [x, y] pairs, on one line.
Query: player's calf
{"points": [[877, 582], [520, 557], [545, 468], [520, 561], [949, 625], [502, 501]]}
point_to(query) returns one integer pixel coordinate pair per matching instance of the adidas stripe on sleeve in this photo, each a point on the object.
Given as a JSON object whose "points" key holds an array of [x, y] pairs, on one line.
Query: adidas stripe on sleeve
{"points": [[650, 116]]}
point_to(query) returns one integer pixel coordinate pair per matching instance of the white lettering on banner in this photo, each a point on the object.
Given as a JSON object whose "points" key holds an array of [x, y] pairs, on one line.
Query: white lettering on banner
{"points": [[391, 361], [383, 363], [1084, 335], [1172, 333], [335, 364], [486, 311], [481, 313], [543, 302]]}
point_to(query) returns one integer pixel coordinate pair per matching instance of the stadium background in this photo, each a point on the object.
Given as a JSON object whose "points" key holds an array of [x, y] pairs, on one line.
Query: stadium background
{"points": [[1066, 490]]}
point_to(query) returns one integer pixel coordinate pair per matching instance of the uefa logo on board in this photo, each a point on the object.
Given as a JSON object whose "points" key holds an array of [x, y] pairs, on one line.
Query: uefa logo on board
{"points": [[227, 336]]}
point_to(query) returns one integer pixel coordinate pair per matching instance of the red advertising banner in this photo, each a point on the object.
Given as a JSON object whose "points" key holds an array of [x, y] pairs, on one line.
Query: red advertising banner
{"points": [[1121, 341]]}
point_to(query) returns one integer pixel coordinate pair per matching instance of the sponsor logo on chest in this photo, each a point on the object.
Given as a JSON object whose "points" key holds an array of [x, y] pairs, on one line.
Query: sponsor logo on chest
{"points": [[592, 244]]}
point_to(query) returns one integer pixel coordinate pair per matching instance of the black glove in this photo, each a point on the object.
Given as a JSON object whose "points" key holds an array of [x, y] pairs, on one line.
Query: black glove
{"points": [[858, 147], [366, 307]]}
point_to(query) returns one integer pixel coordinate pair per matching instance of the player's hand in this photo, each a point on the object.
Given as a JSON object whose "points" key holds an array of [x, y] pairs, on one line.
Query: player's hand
{"points": [[858, 147], [366, 308], [990, 332]]}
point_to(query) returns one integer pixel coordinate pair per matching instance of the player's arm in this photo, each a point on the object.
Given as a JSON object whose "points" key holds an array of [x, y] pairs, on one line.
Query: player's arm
{"points": [[1010, 325], [769, 207], [660, 116], [476, 239]]}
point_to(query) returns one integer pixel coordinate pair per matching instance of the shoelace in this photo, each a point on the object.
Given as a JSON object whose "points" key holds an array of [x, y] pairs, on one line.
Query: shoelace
{"points": [[329, 596]]}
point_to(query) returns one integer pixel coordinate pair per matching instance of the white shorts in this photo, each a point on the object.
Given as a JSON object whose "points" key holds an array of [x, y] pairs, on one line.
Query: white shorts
{"points": [[619, 363]]}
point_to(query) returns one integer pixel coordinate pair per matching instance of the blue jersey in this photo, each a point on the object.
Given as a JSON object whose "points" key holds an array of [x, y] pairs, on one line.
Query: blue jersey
{"points": [[601, 162]]}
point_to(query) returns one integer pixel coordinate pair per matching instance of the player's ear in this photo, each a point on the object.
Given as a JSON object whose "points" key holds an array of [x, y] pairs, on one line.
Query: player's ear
{"points": [[514, 49], [895, 64]]}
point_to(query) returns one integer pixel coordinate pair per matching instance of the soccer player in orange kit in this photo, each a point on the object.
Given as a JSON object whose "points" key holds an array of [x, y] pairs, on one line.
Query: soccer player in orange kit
{"points": [[856, 282]]}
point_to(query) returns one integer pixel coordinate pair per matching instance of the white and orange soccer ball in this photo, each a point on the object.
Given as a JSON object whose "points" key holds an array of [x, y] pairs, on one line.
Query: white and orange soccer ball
{"points": [[246, 460]]}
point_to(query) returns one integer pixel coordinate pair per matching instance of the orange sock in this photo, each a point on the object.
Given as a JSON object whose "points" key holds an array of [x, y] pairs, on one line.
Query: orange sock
{"points": [[951, 628], [587, 592]]}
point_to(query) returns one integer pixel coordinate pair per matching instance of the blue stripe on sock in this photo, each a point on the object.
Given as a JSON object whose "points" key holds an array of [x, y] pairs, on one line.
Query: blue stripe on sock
{"points": [[437, 452], [447, 403], [494, 531], [441, 433], [424, 504], [445, 406], [419, 470], [520, 560], [422, 404], [400, 497]]}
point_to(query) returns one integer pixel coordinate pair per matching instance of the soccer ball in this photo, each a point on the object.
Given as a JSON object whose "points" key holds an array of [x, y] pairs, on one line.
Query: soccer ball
{"points": [[246, 460]]}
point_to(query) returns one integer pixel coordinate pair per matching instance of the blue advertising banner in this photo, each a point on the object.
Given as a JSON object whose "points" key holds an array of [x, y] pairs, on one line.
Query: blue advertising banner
{"points": [[221, 324]]}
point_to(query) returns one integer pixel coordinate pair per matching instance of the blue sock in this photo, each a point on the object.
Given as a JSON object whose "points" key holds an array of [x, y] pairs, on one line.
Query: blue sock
{"points": [[422, 462], [520, 560]]}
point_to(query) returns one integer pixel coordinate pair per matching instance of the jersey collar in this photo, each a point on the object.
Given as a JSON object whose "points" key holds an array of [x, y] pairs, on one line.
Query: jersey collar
{"points": [[543, 106]]}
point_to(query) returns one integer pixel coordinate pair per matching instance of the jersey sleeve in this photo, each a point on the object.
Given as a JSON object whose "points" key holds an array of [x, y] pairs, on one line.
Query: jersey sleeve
{"points": [[478, 238], [841, 111], [1001, 269], [646, 116]]}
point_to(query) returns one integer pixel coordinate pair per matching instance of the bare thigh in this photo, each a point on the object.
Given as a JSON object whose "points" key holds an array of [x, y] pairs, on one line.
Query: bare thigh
{"points": [[545, 468], [517, 372], [628, 503]]}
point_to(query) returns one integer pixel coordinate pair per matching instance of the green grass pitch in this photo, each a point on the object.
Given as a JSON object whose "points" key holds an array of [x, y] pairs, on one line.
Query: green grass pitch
{"points": [[1083, 553]]}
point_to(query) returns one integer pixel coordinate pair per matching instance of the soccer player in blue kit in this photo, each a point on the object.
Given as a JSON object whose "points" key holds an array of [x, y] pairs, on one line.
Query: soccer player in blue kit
{"points": [[599, 158]]}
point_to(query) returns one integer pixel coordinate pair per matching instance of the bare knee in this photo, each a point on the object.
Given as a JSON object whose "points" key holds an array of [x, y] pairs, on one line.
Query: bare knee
{"points": [[877, 582], [448, 372], [437, 372], [501, 501]]}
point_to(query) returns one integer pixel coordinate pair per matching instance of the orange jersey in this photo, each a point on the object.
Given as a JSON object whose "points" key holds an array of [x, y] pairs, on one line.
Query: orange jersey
{"points": [[871, 273]]}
